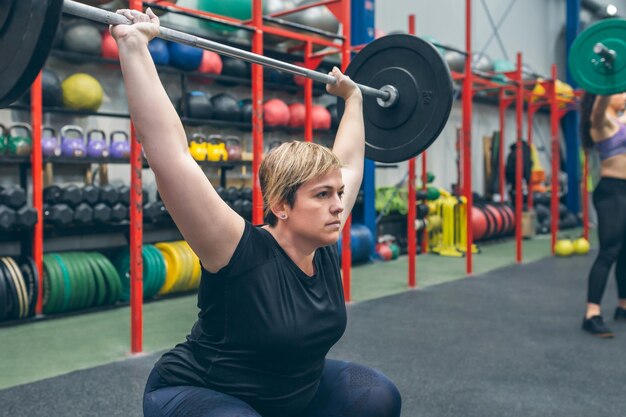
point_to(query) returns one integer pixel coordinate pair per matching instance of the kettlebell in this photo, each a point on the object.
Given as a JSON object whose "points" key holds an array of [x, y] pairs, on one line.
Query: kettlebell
{"points": [[216, 149], [97, 147], [198, 147], [3, 139], [581, 246], [119, 149], [73, 146], [50, 144], [233, 146], [563, 247], [20, 145]]}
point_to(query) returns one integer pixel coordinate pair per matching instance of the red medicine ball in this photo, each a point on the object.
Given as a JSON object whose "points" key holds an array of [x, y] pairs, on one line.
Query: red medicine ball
{"points": [[321, 117], [109, 46], [275, 113], [297, 113]]}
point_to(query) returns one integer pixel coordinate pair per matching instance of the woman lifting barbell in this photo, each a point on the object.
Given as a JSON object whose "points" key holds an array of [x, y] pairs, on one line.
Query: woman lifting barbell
{"points": [[604, 130], [271, 301]]}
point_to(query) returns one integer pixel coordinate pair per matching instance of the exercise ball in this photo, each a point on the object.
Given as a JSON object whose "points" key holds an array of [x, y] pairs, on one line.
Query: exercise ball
{"points": [[184, 57], [275, 113], [245, 110], [563, 247], [297, 114], [482, 62], [109, 46], [52, 92], [361, 243], [237, 9], [321, 117], [198, 105], [434, 42], [581, 246], [82, 92], [225, 107], [316, 17], [159, 51], [455, 60], [271, 7], [82, 37]]}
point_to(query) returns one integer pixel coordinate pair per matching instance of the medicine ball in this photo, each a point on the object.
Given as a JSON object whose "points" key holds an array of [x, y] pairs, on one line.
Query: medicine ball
{"points": [[225, 107], [159, 51], [234, 68], [275, 113], [198, 105], [82, 37], [82, 92], [211, 63], [334, 118], [109, 46], [52, 93], [320, 117], [297, 114], [245, 110], [187, 58]]}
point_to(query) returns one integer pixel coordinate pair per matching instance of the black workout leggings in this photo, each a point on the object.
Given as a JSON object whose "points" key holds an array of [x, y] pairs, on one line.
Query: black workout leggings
{"points": [[609, 199], [345, 390]]}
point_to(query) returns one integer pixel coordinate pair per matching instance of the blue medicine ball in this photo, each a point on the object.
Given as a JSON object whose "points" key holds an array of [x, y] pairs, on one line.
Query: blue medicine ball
{"points": [[185, 57], [159, 51]]}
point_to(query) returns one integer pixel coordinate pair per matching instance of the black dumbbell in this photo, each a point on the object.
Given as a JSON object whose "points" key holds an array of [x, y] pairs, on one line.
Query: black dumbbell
{"points": [[246, 193], [153, 211], [232, 194], [119, 212], [109, 194], [58, 214], [72, 195], [83, 214], [246, 209], [101, 213], [421, 210], [25, 217], [91, 194], [124, 192], [238, 206], [221, 192], [52, 194], [7, 218], [13, 197]]}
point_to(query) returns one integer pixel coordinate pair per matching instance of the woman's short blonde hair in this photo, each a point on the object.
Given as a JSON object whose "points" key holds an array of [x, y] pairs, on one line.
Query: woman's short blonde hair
{"points": [[287, 167]]}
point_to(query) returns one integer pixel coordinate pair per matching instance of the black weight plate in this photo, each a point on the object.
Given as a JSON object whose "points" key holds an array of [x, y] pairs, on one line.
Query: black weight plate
{"points": [[13, 303], [3, 297], [25, 41], [421, 76], [31, 279], [21, 285]]}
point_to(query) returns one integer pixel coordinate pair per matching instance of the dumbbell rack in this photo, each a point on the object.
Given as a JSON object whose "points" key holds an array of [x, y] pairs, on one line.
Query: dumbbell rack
{"points": [[258, 25]]}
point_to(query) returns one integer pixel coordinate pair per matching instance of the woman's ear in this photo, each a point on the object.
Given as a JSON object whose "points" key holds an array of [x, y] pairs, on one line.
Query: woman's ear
{"points": [[279, 210]]}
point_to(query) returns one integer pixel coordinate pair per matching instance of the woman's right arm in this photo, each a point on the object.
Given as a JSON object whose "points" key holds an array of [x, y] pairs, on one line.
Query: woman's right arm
{"points": [[211, 228], [599, 120]]}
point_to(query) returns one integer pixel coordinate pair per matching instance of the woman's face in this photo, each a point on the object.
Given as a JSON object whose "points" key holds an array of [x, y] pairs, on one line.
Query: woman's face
{"points": [[316, 213], [618, 102]]}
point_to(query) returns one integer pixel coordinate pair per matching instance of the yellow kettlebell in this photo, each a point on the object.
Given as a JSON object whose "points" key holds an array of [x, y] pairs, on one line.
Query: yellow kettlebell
{"points": [[581, 246], [197, 147], [216, 149], [563, 247]]}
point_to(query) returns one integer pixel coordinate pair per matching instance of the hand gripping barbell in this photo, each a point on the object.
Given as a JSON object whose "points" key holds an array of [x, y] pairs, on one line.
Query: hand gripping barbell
{"points": [[407, 99]]}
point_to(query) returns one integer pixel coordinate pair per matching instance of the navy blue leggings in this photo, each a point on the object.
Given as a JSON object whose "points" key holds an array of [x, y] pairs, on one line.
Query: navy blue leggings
{"points": [[346, 390]]}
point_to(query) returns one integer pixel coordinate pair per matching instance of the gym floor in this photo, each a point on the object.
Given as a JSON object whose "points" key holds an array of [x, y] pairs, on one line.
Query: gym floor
{"points": [[505, 342]]}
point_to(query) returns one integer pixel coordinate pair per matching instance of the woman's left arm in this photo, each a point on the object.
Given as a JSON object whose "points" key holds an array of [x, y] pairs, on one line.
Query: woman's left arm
{"points": [[349, 143]]}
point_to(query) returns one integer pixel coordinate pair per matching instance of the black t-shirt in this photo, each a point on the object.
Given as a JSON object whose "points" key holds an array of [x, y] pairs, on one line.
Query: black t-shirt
{"points": [[264, 327]]}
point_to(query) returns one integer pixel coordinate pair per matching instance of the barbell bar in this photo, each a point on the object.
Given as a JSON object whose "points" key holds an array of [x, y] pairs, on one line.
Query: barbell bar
{"points": [[406, 83]]}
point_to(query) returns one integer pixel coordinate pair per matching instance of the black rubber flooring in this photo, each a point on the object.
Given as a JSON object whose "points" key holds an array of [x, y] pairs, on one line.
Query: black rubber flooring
{"points": [[507, 343]]}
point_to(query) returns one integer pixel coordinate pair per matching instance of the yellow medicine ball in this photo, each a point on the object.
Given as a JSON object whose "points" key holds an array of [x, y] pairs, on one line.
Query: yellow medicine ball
{"points": [[82, 92]]}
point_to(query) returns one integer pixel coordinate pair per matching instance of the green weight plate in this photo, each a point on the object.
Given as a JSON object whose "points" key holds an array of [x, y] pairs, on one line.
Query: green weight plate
{"points": [[67, 284], [149, 269], [57, 284], [587, 68], [77, 299], [160, 262], [113, 277], [81, 279], [88, 279], [50, 285], [99, 280], [111, 283]]}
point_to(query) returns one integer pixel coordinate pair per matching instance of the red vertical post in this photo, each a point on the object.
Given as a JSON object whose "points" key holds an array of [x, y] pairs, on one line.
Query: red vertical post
{"points": [[308, 95], [554, 134], [36, 162], [257, 112], [586, 196], [411, 215], [467, 135], [346, 252], [503, 104], [136, 235], [519, 111]]}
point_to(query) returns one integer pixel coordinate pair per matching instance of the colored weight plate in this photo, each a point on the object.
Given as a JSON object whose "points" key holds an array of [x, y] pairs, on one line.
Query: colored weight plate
{"points": [[111, 277], [149, 273], [186, 267], [48, 285], [122, 264], [587, 68], [18, 281], [171, 273], [13, 305], [85, 277], [159, 269], [174, 265], [422, 78], [99, 279], [79, 289], [27, 29], [22, 282], [196, 271], [31, 278], [76, 291], [57, 284], [67, 284]]}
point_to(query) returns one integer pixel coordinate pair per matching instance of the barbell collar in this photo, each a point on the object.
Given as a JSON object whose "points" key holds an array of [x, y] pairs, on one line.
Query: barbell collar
{"points": [[609, 55], [103, 16]]}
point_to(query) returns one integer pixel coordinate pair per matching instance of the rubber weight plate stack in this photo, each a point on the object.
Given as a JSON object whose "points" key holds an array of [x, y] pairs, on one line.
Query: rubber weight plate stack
{"points": [[17, 288], [153, 273], [172, 267], [111, 277], [31, 279]]}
